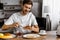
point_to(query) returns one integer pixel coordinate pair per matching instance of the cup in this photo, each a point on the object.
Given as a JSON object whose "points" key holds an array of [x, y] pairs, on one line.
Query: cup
{"points": [[42, 31]]}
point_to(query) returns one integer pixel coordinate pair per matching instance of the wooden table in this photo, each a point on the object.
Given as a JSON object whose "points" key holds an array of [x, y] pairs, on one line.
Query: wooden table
{"points": [[51, 35]]}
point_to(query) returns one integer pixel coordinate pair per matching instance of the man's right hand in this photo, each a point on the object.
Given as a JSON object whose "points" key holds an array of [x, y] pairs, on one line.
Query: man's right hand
{"points": [[27, 27], [15, 24]]}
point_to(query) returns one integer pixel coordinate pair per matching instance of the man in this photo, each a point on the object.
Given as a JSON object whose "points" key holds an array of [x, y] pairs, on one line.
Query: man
{"points": [[24, 20]]}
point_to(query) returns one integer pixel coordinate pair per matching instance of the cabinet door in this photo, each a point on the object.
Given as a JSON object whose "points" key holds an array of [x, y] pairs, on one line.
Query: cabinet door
{"points": [[10, 2]]}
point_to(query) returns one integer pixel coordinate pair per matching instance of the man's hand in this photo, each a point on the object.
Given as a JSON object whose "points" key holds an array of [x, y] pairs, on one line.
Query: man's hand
{"points": [[27, 27], [15, 24], [35, 28]]}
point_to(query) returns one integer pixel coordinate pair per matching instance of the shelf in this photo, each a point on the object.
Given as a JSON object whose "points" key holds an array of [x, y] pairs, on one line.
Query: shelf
{"points": [[13, 10], [11, 5]]}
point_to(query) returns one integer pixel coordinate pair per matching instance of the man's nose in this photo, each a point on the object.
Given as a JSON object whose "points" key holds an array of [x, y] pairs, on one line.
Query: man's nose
{"points": [[27, 9]]}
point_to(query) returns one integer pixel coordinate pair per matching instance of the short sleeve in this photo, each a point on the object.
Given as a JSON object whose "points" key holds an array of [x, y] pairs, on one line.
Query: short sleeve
{"points": [[34, 22], [10, 20]]}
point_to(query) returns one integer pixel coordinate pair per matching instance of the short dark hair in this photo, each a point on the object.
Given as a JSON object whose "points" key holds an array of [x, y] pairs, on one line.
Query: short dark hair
{"points": [[27, 2]]}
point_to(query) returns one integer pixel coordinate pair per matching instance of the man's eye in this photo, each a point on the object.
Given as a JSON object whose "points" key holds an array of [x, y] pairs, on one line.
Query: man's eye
{"points": [[29, 8], [26, 7]]}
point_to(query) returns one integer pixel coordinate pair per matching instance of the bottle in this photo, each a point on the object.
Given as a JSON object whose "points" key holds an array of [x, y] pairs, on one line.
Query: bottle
{"points": [[48, 23], [58, 30]]}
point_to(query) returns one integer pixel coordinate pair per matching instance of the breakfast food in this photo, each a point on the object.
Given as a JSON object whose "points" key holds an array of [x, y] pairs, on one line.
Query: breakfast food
{"points": [[30, 36], [1, 34], [7, 34], [5, 37]]}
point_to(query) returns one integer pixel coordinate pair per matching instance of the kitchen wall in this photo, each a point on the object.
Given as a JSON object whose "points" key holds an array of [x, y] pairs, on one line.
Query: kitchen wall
{"points": [[52, 8], [37, 8], [9, 4]]}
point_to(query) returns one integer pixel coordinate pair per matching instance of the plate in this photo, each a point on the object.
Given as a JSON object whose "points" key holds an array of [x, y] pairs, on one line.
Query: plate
{"points": [[31, 36], [4, 31], [8, 37], [42, 33]]}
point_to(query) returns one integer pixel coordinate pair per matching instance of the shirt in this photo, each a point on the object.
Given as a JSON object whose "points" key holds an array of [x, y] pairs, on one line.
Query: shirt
{"points": [[28, 19]]}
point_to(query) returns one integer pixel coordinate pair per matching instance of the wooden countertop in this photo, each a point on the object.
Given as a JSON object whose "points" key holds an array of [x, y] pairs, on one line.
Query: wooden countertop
{"points": [[51, 35]]}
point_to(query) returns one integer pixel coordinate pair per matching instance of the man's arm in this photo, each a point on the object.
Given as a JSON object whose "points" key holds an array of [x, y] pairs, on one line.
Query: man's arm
{"points": [[34, 28], [4, 27]]}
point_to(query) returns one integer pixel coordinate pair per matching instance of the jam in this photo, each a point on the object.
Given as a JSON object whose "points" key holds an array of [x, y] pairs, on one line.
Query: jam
{"points": [[18, 34]]}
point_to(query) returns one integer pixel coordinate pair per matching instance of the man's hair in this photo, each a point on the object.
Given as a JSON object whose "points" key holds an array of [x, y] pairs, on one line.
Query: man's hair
{"points": [[27, 2]]}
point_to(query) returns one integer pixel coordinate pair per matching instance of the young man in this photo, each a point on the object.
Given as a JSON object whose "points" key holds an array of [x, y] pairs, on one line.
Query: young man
{"points": [[24, 20]]}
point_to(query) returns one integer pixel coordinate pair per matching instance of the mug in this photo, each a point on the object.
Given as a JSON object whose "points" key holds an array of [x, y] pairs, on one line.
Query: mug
{"points": [[42, 31]]}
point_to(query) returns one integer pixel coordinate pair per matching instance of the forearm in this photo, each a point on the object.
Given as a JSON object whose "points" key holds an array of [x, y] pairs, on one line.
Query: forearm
{"points": [[5, 27], [10, 26]]}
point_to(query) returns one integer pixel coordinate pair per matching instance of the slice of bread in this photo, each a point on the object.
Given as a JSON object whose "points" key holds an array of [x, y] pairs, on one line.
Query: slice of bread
{"points": [[6, 37], [7, 34]]}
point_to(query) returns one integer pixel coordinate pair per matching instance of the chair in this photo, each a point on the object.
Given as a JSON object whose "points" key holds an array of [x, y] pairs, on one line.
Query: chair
{"points": [[41, 23]]}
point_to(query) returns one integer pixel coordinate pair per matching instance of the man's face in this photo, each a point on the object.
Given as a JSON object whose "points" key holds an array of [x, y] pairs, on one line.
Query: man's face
{"points": [[26, 8]]}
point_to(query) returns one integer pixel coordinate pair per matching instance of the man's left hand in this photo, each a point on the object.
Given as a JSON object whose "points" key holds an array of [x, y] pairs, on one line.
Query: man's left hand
{"points": [[27, 27], [35, 28]]}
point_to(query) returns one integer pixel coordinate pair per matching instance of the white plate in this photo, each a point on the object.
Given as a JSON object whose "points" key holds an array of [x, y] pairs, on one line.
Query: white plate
{"points": [[42, 33], [3, 31], [31, 36], [8, 37]]}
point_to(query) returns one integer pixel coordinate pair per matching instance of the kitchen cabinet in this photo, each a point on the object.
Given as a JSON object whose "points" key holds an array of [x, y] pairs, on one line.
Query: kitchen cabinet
{"points": [[10, 6], [10, 9], [10, 2]]}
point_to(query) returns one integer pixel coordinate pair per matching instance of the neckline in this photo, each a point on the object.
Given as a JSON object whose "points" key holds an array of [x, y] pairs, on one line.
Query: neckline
{"points": [[22, 15]]}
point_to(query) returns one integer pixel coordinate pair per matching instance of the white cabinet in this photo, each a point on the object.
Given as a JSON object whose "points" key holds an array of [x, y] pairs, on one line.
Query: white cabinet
{"points": [[10, 2]]}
